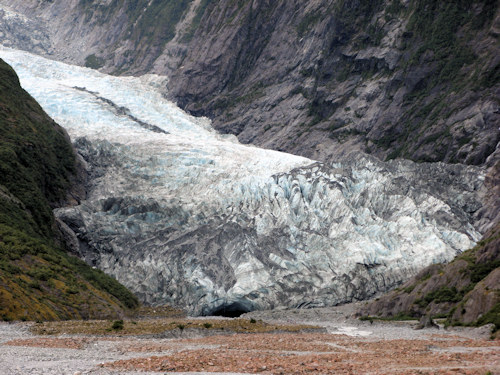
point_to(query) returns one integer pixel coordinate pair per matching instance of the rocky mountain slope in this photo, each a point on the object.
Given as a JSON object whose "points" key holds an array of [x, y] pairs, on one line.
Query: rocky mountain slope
{"points": [[415, 79], [37, 168], [466, 291]]}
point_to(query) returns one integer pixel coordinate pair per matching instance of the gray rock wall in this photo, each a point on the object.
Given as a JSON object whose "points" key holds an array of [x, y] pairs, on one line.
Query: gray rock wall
{"points": [[412, 79]]}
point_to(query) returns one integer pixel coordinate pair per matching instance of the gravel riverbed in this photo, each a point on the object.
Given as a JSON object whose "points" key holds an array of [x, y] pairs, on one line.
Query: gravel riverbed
{"points": [[347, 346]]}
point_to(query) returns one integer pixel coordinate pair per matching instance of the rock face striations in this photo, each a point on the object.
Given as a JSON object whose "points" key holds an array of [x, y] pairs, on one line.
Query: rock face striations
{"points": [[412, 79], [189, 217]]}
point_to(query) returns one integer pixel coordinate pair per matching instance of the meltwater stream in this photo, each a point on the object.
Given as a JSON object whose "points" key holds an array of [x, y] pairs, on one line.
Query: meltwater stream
{"points": [[183, 215]]}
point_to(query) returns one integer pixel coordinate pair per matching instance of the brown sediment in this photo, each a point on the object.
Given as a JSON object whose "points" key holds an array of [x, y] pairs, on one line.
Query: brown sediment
{"points": [[321, 354]]}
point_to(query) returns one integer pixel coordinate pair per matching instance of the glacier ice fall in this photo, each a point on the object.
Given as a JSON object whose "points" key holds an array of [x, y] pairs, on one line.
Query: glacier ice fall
{"points": [[183, 215]]}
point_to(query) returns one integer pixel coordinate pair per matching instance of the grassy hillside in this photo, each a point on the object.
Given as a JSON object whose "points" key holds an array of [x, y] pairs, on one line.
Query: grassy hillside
{"points": [[37, 164]]}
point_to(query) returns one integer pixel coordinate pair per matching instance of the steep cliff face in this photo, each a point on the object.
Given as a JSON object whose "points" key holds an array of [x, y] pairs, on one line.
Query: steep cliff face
{"points": [[417, 80], [38, 280], [122, 36], [413, 79]]}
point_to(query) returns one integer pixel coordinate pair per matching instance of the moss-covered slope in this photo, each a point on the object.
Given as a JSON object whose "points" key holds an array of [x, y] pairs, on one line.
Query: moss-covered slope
{"points": [[465, 291], [37, 165]]}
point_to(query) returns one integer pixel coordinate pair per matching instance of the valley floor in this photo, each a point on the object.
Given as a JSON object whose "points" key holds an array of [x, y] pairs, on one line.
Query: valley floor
{"points": [[346, 346]]}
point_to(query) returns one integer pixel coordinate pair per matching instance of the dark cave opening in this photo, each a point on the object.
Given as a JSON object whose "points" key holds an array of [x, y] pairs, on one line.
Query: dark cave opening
{"points": [[232, 310]]}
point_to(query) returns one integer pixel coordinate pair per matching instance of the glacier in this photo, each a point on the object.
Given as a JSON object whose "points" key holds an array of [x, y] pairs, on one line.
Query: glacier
{"points": [[185, 216]]}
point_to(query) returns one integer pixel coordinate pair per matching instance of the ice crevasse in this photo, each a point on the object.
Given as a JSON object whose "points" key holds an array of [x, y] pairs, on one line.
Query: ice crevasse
{"points": [[183, 215]]}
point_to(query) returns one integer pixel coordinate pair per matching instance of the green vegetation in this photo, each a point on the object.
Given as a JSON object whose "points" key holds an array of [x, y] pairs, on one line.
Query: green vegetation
{"points": [[476, 272], [440, 62], [36, 160], [162, 325], [117, 325], [454, 287], [37, 164], [39, 281], [435, 26], [445, 294], [94, 62], [439, 36], [492, 316], [155, 23], [409, 289], [308, 21], [394, 8], [351, 16], [253, 93], [149, 25]]}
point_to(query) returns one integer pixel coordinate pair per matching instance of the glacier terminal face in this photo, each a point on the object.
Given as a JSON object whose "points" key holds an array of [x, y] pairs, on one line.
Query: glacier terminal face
{"points": [[183, 215]]}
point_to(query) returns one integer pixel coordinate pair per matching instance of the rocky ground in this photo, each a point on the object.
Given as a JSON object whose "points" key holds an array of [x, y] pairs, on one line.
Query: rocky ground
{"points": [[345, 346]]}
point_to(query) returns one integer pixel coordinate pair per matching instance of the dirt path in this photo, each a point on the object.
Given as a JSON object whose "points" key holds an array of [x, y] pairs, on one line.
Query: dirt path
{"points": [[349, 346]]}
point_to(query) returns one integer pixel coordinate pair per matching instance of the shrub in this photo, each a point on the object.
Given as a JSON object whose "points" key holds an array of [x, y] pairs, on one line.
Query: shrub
{"points": [[445, 294], [117, 325], [37, 165], [409, 289], [94, 62]]}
